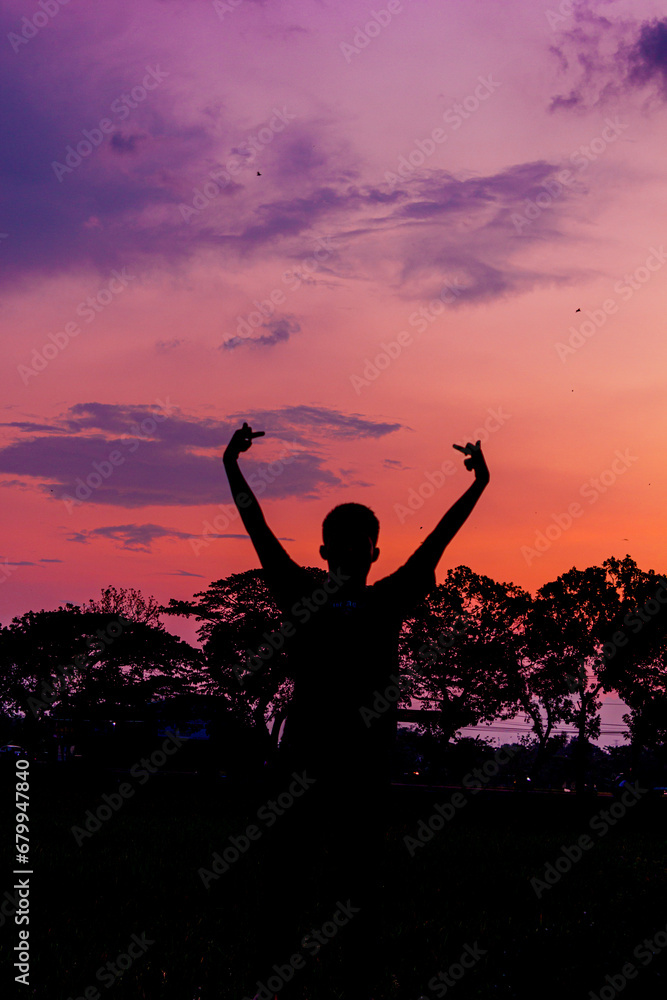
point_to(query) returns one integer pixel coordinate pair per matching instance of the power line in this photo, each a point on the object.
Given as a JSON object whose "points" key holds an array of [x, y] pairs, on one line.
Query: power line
{"points": [[528, 729], [524, 728]]}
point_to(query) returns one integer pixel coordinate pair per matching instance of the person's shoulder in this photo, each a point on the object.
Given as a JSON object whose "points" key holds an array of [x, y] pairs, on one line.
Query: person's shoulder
{"points": [[291, 583], [406, 586], [302, 580], [379, 585], [410, 569], [386, 585]]}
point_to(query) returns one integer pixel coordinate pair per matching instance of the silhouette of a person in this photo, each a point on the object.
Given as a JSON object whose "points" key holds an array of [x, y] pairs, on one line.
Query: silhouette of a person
{"points": [[342, 652]]}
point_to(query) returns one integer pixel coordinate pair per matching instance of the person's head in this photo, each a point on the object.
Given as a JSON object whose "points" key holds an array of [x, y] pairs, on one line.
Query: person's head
{"points": [[350, 533]]}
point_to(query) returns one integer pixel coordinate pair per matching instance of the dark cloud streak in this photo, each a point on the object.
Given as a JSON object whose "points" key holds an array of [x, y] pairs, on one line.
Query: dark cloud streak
{"points": [[610, 61], [98, 449]]}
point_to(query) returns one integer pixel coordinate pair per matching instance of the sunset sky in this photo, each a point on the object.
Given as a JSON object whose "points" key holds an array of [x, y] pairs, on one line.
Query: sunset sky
{"points": [[217, 212]]}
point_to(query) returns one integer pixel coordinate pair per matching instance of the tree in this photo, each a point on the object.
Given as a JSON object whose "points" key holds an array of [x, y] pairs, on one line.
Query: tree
{"points": [[635, 653], [125, 602], [462, 649], [237, 616], [573, 614], [543, 692], [86, 663]]}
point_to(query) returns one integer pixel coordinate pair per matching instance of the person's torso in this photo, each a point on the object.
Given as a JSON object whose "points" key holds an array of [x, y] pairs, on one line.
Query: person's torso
{"points": [[342, 659]]}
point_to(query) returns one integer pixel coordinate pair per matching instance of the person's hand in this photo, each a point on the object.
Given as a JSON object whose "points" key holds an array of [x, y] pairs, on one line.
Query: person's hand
{"points": [[475, 461], [240, 441]]}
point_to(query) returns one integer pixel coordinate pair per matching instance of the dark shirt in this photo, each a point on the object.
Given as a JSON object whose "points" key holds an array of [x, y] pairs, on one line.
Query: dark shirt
{"points": [[342, 654]]}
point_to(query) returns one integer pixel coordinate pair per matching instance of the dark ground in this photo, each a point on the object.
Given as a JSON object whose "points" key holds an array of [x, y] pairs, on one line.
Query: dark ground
{"points": [[470, 885]]}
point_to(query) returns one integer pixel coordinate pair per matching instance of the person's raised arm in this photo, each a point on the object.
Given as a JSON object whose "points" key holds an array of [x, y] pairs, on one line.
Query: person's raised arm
{"points": [[429, 553], [271, 553]]}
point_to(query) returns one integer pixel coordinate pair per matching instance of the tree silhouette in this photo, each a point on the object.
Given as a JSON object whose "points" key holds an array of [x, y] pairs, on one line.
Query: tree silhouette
{"points": [[462, 648], [543, 694], [475, 650], [125, 602], [86, 663], [573, 614], [636, 661], [236, 615]]}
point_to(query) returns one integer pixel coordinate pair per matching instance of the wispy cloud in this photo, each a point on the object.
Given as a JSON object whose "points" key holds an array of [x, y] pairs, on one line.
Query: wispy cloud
{"points": [[166, 346], [123, 208], [138, 537], [181, 572], [280, 330]]}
